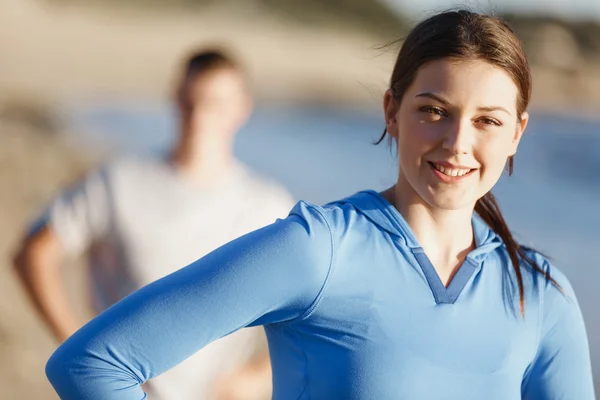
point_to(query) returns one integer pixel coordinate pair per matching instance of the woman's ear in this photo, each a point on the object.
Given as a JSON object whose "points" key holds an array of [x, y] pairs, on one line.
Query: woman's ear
{"points": [[390, 109], [521, 126]]}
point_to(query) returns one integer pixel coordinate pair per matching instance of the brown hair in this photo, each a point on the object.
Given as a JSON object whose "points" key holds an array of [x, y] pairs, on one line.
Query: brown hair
{"points": [[464, 34], [200, 63]]}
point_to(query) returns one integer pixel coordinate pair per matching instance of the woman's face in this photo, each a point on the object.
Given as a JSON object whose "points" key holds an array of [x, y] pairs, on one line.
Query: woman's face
{"points": [[455, 128]]}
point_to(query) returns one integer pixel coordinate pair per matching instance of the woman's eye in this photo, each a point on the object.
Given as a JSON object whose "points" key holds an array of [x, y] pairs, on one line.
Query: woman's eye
{"points": [[434, 111], [490, 121]]}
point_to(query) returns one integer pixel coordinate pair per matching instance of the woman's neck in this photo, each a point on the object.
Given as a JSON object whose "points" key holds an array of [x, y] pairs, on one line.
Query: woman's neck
{"points": [[445, 235]]}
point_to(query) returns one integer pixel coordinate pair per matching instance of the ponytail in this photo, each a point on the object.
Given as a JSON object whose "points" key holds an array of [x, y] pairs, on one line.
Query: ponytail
{"points": [[489, 211]]}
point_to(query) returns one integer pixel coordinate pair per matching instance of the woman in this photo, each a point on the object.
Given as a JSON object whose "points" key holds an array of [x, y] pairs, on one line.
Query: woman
{"points": [[419, 292]]}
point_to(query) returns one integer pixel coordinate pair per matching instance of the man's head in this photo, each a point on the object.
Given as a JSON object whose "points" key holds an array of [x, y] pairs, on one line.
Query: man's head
{"points": [[212, 96]]}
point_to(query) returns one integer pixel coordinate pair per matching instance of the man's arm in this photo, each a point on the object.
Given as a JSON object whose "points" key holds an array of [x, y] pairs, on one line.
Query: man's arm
{"points": [[38, 265], [70, 224], [251, 381]]}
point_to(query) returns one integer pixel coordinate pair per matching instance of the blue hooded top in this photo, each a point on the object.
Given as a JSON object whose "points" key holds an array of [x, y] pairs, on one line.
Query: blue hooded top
{"points": [[352, 309]]}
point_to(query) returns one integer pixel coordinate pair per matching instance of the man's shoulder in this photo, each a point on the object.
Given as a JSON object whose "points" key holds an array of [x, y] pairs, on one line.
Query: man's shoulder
{"points": [[134, 170], [136, 163], [264, 186]]}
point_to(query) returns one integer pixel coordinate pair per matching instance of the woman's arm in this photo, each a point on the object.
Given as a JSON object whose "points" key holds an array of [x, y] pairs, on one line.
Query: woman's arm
{"points": [[271, 275], [562, 367]]}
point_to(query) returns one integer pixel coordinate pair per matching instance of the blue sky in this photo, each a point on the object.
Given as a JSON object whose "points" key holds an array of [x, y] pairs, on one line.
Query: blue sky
{"points": [[571, 9]]}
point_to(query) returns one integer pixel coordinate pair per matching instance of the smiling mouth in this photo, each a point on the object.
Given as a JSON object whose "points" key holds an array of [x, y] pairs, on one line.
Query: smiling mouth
{"points": [[452, 172]]}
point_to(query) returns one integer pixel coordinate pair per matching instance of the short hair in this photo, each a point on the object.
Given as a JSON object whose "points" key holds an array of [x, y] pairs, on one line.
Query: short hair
{"points": [[202, 62]]}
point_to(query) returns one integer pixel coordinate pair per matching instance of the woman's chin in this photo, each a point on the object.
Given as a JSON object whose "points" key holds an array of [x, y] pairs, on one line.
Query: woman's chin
{"points": [[450, 202]]}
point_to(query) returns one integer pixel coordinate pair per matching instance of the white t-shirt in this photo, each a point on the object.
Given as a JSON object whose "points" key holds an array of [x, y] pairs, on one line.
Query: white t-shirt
{"points": [[141, 220]]}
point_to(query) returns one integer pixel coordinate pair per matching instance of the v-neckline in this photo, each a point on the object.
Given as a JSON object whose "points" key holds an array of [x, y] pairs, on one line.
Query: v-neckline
{"points": [[484, 241], [445, 294]]}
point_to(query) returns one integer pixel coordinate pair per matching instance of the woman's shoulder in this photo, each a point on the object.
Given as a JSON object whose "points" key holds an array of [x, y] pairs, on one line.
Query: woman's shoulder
{"points": [[551, 281], [547, 288], [546, 265], [339, 214]]}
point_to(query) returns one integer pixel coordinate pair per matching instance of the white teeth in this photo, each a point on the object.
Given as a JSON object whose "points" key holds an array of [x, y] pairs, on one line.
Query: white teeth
{"points": [[451, 171]]}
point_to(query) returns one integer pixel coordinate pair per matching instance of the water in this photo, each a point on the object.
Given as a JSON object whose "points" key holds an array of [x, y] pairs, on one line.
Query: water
{"points": [[551, 202]]}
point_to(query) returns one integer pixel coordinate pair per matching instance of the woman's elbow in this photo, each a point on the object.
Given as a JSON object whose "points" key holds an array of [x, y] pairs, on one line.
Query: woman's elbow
{"points": [[59, 372], [78, 370], [70, 370]]}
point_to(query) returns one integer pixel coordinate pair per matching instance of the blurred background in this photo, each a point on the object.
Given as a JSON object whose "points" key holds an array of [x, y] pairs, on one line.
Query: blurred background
{"points": [[82, 82]]}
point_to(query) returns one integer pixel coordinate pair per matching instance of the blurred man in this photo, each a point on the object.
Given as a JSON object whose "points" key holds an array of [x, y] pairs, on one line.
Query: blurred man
{"points": [[141, 219]]}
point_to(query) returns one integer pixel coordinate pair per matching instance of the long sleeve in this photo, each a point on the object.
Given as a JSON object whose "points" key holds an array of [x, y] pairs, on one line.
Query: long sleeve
{"points": [[269, 276], [562, 367]]}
